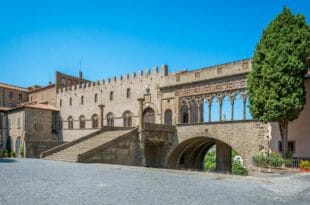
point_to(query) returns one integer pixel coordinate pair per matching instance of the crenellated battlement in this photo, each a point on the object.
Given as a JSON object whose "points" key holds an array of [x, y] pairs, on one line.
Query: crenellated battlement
{"points": [[116, 80]]}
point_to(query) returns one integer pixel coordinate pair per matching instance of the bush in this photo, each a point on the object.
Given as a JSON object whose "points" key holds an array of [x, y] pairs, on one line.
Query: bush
{"points": [[13, 154], [209, 161], [304, 164], [268, 160], [6, 153], [238, 169], [21, 151]]}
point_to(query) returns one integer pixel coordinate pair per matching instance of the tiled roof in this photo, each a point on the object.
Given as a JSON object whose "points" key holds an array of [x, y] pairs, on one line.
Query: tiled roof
{"points": [[13, 87]]}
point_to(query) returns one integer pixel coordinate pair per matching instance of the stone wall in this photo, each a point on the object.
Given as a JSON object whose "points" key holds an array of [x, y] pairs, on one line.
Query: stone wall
{"points": [[16, 121], [35, 148], [246, 137], [143, 84], [46, 94], [122, 150], [10, 96]]}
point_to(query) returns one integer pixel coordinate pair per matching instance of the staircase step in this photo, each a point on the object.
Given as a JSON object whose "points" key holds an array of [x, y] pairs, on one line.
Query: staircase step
{"points": [[71, 153]]}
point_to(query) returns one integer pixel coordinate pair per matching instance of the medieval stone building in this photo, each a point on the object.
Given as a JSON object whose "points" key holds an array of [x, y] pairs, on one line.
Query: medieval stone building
{"points": [[157, 118]]}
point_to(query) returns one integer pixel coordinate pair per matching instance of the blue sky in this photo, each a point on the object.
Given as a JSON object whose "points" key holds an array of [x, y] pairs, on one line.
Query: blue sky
{"points": [[117, 37]]}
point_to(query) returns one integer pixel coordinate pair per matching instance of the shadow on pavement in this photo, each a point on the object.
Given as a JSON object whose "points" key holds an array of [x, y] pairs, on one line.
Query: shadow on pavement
{"points": [[7, 160]]}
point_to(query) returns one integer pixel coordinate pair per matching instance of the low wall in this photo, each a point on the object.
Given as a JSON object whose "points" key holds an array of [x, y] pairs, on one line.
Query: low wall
{"points": [[33, 149], [122, 150]]}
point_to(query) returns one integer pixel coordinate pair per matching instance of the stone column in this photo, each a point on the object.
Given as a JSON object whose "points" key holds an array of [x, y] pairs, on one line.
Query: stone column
{"points": [[209, 106], [220, 104], [198, 112], [244, 107], [189, 111], [232, 110], [101, 106], [141, 100]]}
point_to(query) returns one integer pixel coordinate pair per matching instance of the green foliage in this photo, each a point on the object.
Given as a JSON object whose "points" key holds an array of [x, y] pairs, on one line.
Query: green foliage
{"points": [[6, 153], [238, 169], [21, 150], [276, 82], [272, 160], [209, 161], [305, 164], [13, 154]]}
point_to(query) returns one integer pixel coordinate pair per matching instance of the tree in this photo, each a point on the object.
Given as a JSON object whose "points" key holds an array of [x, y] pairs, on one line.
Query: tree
{"points": [[276, 81]]}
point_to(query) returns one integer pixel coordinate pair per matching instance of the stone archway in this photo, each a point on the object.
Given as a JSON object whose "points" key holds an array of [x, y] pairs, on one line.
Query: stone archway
{"points": [[149, 115], [190, 154], [18, 145]]}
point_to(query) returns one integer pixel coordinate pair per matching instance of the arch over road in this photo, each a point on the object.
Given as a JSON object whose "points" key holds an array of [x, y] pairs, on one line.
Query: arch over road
{"points": [[190, 154], [194, 140]]}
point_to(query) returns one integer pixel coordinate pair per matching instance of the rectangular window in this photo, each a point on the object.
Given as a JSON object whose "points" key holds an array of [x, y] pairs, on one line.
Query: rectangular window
{"points": [[128, 93], [60, 103], [70, 101], [96, 98], [82, 100], [291, 147], [111, 95], [18, 122], [9, 124], [280, 146], [20, 97], [10, 94]]}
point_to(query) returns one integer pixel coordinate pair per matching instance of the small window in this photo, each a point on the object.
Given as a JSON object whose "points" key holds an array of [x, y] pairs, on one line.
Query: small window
{"points": [[280, 146], [128, 93], [96, 98], [10, 94], [18, 122], [70, 101], [60, 103], [111, 95], [31, 98], [20, 97], [291, 147], [82, 100]]}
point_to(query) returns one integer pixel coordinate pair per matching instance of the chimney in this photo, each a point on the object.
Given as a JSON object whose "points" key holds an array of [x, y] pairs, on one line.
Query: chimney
{"points": [[81, 76]]}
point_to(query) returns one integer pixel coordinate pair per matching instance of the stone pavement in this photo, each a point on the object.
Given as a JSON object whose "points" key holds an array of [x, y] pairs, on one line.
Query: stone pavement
{"points": [[34, 181]]}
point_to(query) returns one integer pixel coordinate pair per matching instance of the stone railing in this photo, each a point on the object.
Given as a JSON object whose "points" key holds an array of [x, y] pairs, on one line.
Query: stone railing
{"points": [[74, 142], [86, 155], [158, 127]]}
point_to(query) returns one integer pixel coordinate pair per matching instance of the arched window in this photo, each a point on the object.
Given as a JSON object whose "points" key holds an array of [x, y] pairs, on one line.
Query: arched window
{"points": [[238, 107], [94, 120], [110, 119], [82, 122], [70, 123], [96, 98], [149, 115], [18, 145], [184, 114], [111, 95], [215, 110], [226, 109], [168, 117], [127, 119]]}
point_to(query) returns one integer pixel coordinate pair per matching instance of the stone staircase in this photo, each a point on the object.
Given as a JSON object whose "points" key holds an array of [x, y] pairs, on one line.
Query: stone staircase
{"points": [[70, 152]]}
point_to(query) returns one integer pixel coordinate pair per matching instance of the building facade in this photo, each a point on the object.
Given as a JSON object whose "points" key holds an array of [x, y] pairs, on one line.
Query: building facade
{"points": [[210, 102]]}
